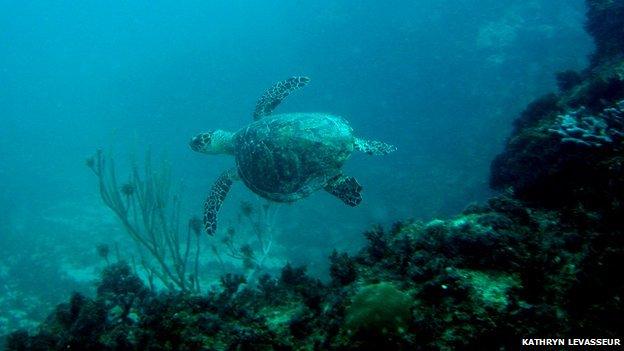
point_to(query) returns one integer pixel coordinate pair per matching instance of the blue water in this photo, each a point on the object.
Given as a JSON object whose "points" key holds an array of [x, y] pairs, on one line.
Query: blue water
{"points": [[441, 80]]}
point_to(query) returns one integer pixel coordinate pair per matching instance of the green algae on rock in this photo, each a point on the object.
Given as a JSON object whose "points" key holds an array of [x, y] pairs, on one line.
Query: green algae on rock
{"points": [[379, 309]]}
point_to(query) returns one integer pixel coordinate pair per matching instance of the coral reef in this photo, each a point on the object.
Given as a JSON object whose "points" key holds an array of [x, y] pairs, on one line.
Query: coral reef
{"points": [[581, 128], [541, 259], [566, 148], [569, 157], [567, 80], [490, 276]]}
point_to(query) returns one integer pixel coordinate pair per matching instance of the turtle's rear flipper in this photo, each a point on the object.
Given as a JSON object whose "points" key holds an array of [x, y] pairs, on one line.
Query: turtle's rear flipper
{"points": [[346, 189], [215, 199], [373, 147], [275, 94]]}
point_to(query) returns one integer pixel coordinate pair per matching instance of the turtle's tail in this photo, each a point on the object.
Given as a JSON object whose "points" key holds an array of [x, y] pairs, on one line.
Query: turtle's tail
{"points": [[373, 147]]}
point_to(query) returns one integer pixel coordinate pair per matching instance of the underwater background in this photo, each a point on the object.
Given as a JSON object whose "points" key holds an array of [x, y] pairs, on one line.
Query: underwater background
{"points": [[444, 81]]}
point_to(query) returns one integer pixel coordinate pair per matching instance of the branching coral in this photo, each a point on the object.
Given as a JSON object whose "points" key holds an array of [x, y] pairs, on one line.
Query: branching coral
{"points": [[258, 222], [582, 128], [149, 210]]}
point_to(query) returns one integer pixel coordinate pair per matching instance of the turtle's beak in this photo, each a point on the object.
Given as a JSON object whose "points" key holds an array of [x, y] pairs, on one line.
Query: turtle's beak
{"points": [[196, 143]]}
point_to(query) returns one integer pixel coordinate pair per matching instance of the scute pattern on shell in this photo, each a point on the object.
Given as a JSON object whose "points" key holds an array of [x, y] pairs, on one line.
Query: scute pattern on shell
{"points": [[286, 157]]}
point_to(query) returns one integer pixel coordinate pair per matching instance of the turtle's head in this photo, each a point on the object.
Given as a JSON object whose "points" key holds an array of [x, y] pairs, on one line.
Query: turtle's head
{"points": [[213, 142]]}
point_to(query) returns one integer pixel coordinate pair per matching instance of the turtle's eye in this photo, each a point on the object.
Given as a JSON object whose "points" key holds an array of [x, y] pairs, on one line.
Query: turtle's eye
{"points": [[201, 142]]}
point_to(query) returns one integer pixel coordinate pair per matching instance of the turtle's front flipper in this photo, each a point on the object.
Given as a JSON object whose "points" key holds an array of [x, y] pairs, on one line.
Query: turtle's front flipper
{"points": [[373, 147], [215, 199], [346, 189], [275, 94]]}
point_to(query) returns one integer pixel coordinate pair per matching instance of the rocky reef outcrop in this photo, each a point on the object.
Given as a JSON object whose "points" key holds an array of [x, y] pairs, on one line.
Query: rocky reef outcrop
{"points": [[604, 24], [496, 273], [566, 148], [542, 259]]}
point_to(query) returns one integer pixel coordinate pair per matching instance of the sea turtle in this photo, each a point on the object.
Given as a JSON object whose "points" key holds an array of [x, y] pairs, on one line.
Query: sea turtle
{"points": [[285, 157]]}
